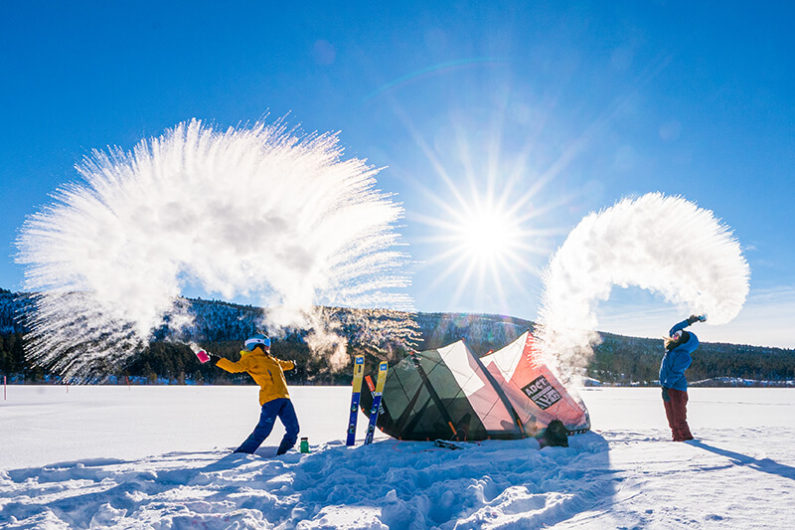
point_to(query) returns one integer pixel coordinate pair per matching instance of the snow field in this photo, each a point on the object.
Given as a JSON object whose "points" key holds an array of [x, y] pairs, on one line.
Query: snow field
{"points": [[624, 474]]}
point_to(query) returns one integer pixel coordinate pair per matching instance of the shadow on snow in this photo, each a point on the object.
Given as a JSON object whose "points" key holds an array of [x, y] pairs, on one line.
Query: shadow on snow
{"points": [[764, 465]]}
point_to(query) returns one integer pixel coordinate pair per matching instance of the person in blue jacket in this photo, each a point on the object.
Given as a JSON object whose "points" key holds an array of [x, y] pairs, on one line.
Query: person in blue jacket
{"points": [[679, 345]]}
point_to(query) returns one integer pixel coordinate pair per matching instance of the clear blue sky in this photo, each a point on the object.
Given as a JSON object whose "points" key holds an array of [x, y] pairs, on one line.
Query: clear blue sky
{"points": [[582, 102]]}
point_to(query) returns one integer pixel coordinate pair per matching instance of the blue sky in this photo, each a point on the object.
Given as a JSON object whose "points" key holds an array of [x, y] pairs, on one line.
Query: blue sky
{"points": [[568, 105]]}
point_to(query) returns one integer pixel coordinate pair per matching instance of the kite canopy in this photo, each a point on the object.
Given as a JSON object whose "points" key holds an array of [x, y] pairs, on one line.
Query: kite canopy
{"points": [[535, 393], [450, 393]]}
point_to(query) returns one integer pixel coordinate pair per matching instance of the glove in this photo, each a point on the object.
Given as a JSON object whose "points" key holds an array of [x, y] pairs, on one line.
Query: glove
{"points": [[696, 318]]}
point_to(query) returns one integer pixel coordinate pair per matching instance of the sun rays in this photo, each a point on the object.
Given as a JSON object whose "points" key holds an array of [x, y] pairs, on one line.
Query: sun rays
{"points": [[486, 230], [485, 244]]}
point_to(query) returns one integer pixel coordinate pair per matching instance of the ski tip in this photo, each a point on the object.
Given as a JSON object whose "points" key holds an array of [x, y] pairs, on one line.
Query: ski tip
{"points": [[447, 444]]}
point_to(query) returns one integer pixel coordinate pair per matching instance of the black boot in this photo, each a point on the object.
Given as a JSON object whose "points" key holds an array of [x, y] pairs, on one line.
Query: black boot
{"points": [[555, 435]]}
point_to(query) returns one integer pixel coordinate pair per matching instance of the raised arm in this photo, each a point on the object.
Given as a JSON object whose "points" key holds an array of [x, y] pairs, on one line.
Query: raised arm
{"points": [[687, 322]]}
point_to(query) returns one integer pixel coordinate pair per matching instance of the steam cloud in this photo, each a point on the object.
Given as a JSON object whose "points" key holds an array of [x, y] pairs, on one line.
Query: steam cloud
{"points": [[259, 212], [666, 245]]}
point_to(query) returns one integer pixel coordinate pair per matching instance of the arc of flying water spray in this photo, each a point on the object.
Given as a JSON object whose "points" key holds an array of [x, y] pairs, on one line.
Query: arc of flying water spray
{"points": [[664, 244], [261, 212]]}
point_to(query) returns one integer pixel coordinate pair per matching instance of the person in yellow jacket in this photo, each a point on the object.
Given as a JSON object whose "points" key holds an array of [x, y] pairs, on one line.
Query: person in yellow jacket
{"points": [[268, 372]]}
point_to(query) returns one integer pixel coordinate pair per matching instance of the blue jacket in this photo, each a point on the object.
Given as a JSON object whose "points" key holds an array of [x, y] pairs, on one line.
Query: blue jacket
{"points": [[677, 360]]}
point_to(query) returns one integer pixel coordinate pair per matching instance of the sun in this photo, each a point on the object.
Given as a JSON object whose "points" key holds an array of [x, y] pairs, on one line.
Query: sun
{"points": [[487, 234]]}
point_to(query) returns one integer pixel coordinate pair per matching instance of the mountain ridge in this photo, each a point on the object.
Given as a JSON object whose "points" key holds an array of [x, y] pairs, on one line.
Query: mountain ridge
{"points": [[220, 326]]}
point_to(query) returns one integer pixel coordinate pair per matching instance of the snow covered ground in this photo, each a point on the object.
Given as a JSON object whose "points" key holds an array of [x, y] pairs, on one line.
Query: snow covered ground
{"points": [[160, 457]]}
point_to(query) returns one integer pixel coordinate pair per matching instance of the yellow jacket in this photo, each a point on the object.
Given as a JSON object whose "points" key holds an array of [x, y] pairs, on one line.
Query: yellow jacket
{"points": [[265, 369]]}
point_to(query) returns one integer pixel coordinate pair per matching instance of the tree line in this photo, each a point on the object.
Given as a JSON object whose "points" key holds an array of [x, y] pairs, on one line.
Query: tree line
{"points": [[220, 327]]}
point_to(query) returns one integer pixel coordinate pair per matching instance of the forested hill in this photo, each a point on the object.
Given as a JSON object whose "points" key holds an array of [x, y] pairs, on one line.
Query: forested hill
{"points": [[220, 327]]}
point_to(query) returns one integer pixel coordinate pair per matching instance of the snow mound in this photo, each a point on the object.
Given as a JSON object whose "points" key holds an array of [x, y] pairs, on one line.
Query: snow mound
{"points": [[388, 484]]}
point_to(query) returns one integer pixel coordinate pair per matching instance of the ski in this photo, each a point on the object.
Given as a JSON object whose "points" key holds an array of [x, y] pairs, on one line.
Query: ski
{"points": [[447, 444], [376, 408], [358, 374]]}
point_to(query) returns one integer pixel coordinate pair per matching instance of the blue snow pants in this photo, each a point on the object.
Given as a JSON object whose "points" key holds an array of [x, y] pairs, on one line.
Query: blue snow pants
{"points": [[283, 408]]}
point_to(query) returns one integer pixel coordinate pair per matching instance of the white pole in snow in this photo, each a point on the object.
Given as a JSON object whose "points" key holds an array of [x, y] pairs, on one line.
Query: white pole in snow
{"points": [[4, 388]]}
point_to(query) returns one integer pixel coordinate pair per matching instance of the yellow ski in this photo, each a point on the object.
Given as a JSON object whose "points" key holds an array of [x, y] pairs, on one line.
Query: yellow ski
{"points": [[376, 408], [358, 374]]}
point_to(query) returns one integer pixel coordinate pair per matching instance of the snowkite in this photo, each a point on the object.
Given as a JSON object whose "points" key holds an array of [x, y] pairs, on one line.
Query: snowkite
{"points": [[450, 393]]}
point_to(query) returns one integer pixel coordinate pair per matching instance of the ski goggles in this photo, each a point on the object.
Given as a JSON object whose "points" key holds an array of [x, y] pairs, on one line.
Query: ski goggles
{"points": [[253, 342]]}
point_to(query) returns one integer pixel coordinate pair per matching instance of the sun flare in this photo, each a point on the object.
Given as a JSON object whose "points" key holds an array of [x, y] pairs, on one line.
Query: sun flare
{"points": [[488, 215], [489, 243]]}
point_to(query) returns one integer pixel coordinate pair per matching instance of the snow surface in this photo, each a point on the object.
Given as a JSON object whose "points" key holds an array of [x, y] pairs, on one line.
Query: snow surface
{"points": [[159, 457]]}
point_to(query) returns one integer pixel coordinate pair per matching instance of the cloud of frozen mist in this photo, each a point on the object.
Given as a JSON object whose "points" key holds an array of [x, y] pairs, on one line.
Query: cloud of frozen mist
{"points": [[666, 245], [260, 212]]}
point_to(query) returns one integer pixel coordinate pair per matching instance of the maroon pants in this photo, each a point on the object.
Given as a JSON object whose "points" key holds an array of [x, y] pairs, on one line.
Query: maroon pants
{"points": [[675, 402]]}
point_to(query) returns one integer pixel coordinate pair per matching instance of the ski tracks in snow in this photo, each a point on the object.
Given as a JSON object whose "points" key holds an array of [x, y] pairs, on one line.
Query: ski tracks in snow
{"points": [[696, 484]]}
